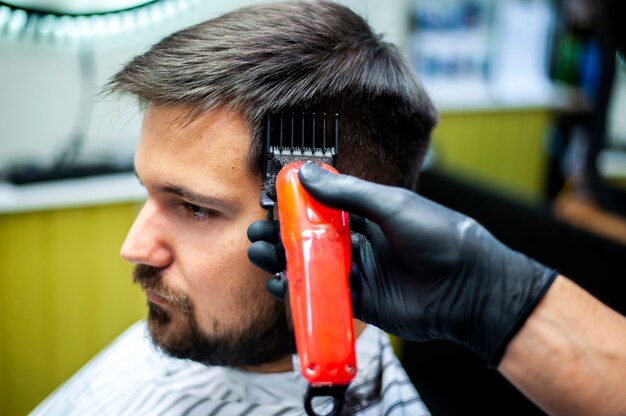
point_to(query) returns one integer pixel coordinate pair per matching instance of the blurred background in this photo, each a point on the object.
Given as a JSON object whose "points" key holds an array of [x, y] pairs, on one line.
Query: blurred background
{"points": [[531, 142]]}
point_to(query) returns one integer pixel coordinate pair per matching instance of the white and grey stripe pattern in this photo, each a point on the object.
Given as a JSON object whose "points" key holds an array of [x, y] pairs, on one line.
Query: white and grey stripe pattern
{"points": [[132, 377]]}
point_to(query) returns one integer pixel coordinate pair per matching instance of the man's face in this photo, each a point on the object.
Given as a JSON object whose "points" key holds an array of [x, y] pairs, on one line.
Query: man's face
{"points": [[206, 301]]}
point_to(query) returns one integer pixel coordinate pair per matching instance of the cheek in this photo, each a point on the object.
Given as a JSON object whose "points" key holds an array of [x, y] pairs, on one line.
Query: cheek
{"points": [[223, 282]]}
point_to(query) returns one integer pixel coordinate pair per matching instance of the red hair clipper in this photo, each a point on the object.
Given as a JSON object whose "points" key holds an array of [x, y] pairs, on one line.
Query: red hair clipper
{"points": [[317, 248]]}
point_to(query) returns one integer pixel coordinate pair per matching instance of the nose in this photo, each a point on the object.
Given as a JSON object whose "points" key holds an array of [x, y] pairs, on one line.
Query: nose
{"points": [[146, 241]]}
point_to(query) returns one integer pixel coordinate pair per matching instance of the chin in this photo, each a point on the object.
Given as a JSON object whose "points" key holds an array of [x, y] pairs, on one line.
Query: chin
{"points": [[262, 341]]}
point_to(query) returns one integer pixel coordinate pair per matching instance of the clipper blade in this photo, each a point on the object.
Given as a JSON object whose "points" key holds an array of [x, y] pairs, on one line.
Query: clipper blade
{"points": [[294, 136]]}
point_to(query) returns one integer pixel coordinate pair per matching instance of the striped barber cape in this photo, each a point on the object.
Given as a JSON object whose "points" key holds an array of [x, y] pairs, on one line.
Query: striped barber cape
{"points": [[132, 377]]}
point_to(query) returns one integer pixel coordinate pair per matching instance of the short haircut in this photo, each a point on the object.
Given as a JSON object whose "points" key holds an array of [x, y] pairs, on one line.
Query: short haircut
{"points": [[310, 56]]}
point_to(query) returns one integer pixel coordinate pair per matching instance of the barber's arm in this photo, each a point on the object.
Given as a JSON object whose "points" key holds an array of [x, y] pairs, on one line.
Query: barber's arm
{"points": [[570, 355], [424, 272]]}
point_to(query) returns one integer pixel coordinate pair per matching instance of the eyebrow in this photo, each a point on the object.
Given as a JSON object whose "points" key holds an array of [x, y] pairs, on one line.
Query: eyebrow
{"points": [[192, 196], [195, 197]]}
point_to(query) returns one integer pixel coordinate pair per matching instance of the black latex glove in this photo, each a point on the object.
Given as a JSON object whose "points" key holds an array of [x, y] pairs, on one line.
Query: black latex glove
{"points": [[425, 272], [267, 253]]}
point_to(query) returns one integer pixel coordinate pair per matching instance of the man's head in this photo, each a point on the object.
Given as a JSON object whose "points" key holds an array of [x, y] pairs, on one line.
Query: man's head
{"points": [[208, 89], [299, 55]]}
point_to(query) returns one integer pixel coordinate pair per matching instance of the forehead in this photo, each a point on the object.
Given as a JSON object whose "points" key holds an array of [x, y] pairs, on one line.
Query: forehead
{"points": [[171, 129], [211, 149]]}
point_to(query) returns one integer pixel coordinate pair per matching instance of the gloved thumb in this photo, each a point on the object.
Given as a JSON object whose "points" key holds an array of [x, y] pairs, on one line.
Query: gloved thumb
{"points": [[347, 193]]}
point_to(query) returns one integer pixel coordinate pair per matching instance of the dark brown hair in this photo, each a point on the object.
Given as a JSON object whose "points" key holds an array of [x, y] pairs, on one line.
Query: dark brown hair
{"points": [[310, 56]]}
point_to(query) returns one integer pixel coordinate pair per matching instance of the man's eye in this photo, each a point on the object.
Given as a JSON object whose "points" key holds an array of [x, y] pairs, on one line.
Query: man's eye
{"points": [[198, 213]]}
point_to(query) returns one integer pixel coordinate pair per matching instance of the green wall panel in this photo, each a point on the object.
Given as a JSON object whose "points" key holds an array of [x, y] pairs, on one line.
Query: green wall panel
{"points": [[503, 149], [64, 294]]}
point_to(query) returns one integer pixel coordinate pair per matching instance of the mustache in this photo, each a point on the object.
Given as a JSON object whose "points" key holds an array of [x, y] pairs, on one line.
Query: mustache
{"points": [[149, 278], [146, 276]]}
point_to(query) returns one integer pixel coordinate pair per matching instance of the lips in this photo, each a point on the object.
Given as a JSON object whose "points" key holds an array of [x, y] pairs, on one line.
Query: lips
{"points": [[154, 297], [160, 295]]}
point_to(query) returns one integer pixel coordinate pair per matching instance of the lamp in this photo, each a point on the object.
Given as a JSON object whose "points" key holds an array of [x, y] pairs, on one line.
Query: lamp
{"points": [[77, 20], [83, 28]]}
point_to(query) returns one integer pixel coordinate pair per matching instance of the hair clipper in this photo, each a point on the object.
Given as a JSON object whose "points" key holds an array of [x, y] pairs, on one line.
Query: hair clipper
{"points": [[317, 249]]}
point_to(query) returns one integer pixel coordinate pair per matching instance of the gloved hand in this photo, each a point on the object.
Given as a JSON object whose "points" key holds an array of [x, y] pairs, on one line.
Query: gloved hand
{"points": [[422, 271], [267, 253]]}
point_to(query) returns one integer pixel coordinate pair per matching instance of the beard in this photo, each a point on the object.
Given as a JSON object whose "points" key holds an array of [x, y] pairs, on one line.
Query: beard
{"points": [[262, 336]]}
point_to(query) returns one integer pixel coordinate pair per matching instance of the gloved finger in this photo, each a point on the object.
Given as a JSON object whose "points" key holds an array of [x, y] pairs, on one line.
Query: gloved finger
{"points": [[277, 287], [371, 200], [267, 256], [264, 230]]}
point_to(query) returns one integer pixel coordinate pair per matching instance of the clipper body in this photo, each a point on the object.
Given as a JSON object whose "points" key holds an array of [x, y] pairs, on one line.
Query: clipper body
{"points": [[317, 246]]}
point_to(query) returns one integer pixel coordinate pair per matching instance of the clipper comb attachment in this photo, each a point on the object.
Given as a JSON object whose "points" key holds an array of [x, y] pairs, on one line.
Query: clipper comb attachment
{"points": [[296, 136]]}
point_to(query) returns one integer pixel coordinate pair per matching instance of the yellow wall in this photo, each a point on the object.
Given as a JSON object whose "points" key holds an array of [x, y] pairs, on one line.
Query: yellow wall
{"points": [[503, 149], [64, 294]]}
